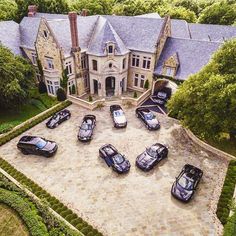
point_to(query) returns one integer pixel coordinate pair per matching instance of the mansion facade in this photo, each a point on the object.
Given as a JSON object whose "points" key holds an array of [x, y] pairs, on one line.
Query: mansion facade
{"points": [[106, 55]]}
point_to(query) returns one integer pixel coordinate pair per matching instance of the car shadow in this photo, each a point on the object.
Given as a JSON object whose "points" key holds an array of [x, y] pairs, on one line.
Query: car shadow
{"points": [[182, 205]]}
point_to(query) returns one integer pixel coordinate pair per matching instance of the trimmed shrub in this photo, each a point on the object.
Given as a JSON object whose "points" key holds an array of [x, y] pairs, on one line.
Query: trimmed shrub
{"points": [[73, 89], [146, 85], [90, 98], [61, 95], [135, 94], [42, 87]]}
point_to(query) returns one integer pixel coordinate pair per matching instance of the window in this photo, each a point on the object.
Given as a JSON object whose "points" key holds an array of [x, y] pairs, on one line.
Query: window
{"points": [[70, 86], [142, 81], [86, 82], [139, 80], [110, 65], [38, 77], [83, 62], [170, 71], [68, 68], [34, 58], [146, 62], [135, 60], [95, 65], [124, 63], [49, 64], [110, 49], [136, 80], [52, 87], [45, 33]]}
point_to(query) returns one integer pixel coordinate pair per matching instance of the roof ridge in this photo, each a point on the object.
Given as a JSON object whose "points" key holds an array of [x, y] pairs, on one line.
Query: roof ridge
{"points": [[213, 25], [195, 40]]}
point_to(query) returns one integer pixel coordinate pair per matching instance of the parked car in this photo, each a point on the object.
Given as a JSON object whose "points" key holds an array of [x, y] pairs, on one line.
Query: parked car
{"points": [[118, 116], [160, 97], [148, 118], [37, 146], [151, 156], [58, 118], [186, 183], [86, 128], [114, 159]]}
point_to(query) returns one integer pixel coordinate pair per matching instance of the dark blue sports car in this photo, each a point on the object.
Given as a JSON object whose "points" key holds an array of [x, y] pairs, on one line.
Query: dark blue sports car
{"points": [[114, 159], [186, 183]]}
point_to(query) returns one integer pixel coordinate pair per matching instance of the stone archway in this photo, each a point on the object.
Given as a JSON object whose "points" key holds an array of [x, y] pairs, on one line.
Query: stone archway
{"points": [[110, 86], [161, 84]]}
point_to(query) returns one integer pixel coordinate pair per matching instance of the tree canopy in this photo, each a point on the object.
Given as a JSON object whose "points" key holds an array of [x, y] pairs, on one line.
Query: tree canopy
{"points": [[8, 10], [206, 101], [16, 78]]}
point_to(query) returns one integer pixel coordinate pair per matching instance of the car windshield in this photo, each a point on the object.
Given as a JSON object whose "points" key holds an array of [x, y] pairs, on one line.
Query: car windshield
{"points": [[118, 159], [85, 126], [151, 152], [186, 183], [118, 113], [149, 116], [41, 143]]}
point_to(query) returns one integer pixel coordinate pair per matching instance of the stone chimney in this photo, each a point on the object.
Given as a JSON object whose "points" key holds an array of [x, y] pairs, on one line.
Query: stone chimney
{"points": [[32, 10], [74, 31], [84, 12]]}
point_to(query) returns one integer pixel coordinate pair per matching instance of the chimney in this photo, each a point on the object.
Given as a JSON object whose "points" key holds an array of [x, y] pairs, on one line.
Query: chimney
{"points": [[74, 31], [32, 10], [84, 12]]}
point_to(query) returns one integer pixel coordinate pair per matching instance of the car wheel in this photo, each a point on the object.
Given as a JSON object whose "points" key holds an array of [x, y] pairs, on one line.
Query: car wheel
{"points": [[24, 152], [68, 117], [56, 124], [137, 115], [147, 127]]}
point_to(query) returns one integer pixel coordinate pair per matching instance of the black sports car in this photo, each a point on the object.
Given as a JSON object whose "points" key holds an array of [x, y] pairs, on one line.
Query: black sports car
{"points": [[86, 128], [118, 116], [113, 158], [148, 118], [58, 118], [186, 183], [160, 97], [151, 156], [37, 146]]}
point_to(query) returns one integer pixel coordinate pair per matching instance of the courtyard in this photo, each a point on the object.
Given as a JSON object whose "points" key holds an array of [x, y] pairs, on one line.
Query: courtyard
{"points": [[136, 203]]}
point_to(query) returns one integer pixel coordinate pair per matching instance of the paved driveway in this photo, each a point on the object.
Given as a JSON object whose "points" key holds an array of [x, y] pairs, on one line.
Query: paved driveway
{"points": [[137, 203]]}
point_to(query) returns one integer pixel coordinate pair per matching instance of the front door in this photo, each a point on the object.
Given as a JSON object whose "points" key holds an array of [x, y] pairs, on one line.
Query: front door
{"points": [[95, 85], [110, 86]]}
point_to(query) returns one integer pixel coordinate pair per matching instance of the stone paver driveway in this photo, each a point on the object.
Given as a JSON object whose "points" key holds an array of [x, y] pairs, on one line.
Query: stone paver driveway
{"points": [[137, 203]]}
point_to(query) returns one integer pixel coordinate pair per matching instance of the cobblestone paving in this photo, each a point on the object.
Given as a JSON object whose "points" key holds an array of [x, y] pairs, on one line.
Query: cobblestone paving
{"points": [[137, 203]]}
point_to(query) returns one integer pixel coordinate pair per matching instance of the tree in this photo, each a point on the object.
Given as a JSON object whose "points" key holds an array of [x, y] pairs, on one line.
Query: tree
{"points": [[221, 13], [206, 102], [16, 78], [8, 10], [146, 85], [73, 90], [64, 80], [61, 95], [191, 5]]}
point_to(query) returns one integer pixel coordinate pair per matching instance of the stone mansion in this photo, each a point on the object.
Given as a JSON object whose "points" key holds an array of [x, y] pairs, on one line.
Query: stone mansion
{"points": [[105, 55]]}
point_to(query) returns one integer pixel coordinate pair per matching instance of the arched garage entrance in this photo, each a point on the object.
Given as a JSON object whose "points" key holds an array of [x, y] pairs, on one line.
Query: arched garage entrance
{"points": [[164, 85], [110, 86]]}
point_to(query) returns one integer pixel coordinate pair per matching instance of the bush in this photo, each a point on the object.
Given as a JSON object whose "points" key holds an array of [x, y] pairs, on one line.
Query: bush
{"points": [[42, 87], [135, 94], [61, 95], [223, 206], [146, 85], [73, 89], [90, 98]]}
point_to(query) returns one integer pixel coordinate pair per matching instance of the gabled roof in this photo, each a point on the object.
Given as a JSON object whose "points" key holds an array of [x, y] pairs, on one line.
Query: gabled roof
{"points": [[192, 55], [104, 33], [28, 31], [217, 33], [137, 33], [10, 36], [179, 29]]}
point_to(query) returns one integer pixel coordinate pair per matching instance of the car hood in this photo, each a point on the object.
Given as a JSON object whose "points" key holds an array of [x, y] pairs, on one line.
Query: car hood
{"points": [[49, 146], [153, 122], [120, 119], [51, 122], [181, 192], [84, 133], [144, 159], [124, 166]]}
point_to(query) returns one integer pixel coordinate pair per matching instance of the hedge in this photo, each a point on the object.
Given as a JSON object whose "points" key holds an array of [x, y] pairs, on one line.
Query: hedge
{"points": [[26, 210], [230, 226], [227, 192], [14, 133], [53, 202]]}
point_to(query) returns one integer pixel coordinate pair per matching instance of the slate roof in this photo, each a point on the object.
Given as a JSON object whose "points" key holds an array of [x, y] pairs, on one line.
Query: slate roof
{"points": [[150, 15], [192, 55], [179, 29], [212, 32], [10, 36], [28, 31], [103, 33], [137, 33]]}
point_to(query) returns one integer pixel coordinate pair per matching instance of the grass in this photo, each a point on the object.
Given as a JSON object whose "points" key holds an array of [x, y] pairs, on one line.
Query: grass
{"points": [[10, 223], [225, 144], [36, 104]]}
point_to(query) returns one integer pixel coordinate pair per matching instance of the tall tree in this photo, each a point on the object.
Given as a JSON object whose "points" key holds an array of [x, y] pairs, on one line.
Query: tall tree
{"points": [[16, 78], [8, 10], [222, 13], [206, 102]]}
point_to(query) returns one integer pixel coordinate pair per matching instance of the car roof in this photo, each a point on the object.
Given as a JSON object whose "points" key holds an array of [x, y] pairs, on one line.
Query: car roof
{"points": [[108, 147], [29, 139]]}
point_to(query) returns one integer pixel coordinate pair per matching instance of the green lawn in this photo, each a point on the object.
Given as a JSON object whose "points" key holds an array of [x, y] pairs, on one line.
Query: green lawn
{"points": [[225, 145], [10, 223], [37, 104]]}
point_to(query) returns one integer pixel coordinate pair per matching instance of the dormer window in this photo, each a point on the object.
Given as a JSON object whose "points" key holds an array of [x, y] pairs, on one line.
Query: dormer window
{"points": [[110, 48], [170, 71], [171, 65], [45, 33]]}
